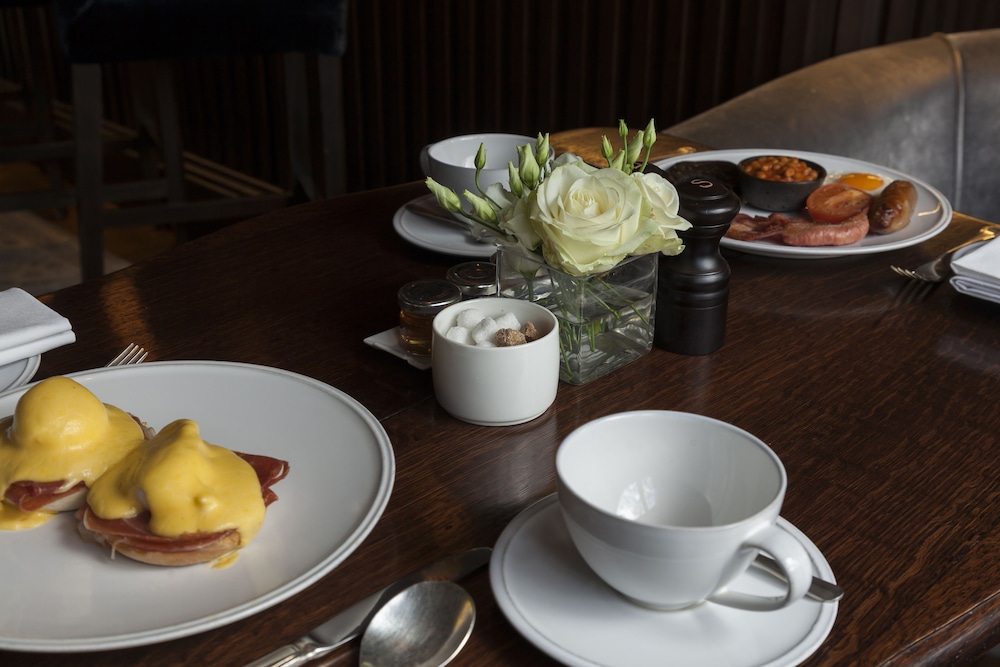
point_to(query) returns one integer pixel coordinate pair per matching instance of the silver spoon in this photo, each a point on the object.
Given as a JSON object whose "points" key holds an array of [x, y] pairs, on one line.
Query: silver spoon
{"points": [[425, 625]]}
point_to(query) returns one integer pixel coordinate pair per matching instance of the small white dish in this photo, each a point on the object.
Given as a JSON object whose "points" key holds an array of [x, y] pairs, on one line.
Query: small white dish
{"points": [[18, 373], [388, 341], [932, 214], [439, 236], [558, 604]]}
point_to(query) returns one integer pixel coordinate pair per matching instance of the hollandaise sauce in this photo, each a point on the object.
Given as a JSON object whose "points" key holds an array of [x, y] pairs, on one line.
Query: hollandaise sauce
{"points": [[187, 485], [13, 518], [59, 432]]}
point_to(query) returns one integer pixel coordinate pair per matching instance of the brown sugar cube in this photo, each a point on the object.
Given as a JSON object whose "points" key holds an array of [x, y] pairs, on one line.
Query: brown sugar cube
{"points": [[509, 337], [530, 332]]}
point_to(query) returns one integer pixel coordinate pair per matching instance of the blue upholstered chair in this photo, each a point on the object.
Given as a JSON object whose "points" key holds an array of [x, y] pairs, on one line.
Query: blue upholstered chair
{"points": [[152, 33], [929, 107]]}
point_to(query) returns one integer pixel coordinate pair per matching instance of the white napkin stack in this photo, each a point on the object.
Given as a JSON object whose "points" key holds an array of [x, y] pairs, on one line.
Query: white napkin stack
{"points": [[28, 327], [977, 271]]}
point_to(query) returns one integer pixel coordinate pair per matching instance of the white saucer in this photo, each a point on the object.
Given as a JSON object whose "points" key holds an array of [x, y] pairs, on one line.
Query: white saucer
{"points": [[18, 373], [552, 598], [439, 236]]}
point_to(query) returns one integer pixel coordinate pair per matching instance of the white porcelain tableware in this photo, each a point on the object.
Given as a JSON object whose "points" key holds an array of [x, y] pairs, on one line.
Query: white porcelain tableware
{"points": [[451, 162], [341, 474], [495, 386], [669, 507], [19, 372], [558, 604], [932, 214], [438, 236]]}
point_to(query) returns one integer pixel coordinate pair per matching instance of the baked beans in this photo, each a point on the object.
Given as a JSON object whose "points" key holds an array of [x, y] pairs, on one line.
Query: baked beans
{"points": [[780, 168]]}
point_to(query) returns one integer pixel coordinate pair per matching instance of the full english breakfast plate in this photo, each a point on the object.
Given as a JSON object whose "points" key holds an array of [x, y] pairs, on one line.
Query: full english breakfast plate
{"points": [[931, 211], [62, 595]]}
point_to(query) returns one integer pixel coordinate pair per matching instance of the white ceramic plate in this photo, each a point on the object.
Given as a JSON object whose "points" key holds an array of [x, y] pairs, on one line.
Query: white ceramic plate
{"points": [[61, 594], [556, 602], [439, 236], [932, 215], [18, 373]]}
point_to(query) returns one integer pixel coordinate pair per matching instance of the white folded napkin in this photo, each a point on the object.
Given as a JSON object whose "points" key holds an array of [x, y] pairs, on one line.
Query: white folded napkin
{"points": [[977, 271], [28, 327]]}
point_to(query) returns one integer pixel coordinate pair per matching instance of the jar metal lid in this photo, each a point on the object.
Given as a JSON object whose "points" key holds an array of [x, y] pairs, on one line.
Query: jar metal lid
{"points": [[426, 297], [474, 278]]}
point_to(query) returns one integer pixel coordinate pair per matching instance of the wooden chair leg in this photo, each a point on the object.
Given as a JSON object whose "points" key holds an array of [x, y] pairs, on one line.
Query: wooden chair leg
{"points": [[87, 111], [170, 131], [43, 88]]}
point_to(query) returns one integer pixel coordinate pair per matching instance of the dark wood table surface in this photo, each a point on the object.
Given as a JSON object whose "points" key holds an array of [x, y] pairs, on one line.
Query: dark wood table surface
{"points": [[880, 398]]}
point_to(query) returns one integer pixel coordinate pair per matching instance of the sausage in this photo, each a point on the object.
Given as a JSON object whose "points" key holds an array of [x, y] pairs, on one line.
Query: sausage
{"points": [[803, 233], [893, 208]]}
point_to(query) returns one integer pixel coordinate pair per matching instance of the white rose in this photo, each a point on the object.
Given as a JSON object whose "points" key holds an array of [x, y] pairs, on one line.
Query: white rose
{"points": [[663, 200], [590, 219]]}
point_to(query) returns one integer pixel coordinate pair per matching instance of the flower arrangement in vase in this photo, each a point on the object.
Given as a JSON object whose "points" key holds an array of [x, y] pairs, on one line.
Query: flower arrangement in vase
{"points": [[583, 241]]}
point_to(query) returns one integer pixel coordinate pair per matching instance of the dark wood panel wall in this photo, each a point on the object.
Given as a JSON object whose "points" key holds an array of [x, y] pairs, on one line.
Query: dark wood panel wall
{"points": [[420, 70]]}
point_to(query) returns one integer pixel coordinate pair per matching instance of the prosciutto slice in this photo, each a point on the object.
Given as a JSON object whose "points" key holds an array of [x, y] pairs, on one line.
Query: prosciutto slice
{"points": [[134, 532], [32, 496]]}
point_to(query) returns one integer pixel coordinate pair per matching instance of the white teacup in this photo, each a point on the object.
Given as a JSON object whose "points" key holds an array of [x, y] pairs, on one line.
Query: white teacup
{"points": [[452, 162], [669, 507], [496, 386]]}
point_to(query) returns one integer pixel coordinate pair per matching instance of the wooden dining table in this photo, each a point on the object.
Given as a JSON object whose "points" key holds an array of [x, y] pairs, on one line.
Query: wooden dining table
{"points": [[880, 396]]}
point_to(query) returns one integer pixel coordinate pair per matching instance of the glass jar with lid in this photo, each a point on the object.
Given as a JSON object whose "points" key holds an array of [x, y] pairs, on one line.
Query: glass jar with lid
{"points": [[419, 302], [475, 279]]}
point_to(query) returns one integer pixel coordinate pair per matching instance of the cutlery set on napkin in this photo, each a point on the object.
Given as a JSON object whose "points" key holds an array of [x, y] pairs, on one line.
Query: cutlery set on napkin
{"points": [[28, 327], [977, 271]]}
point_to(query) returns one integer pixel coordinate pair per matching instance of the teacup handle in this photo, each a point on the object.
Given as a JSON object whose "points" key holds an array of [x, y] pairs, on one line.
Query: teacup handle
{"points": [[794, 562]]}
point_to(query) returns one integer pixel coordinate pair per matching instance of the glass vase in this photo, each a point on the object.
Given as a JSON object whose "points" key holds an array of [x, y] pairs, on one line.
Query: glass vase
{"points": [[605, 319]]}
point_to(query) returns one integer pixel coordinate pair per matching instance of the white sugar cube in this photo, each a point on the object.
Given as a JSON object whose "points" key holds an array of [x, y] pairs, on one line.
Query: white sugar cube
{"points": [[486, 343], [508, 321], [469, 318], [461, 334], [484, 331]]}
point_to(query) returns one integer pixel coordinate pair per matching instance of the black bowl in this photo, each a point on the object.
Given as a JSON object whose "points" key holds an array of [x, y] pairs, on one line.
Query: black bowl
{"points": [[771, 195]]}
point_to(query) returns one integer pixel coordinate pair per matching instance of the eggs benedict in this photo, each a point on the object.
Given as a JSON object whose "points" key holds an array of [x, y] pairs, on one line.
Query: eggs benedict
{"points": [[59, 441], [178, 500]]}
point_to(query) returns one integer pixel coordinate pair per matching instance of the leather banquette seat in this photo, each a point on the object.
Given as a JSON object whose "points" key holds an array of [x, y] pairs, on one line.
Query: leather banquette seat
{"points": [[929, 107]]}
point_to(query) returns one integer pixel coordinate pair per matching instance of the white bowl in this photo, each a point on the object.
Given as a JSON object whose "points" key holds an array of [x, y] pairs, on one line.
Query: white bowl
{"points": [[496, 386]]}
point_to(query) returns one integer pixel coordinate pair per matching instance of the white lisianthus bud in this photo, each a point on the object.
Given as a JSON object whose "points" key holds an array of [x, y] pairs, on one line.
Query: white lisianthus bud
{"points": [[529, 171], [446, 197], [516, 186], [542, 149], [619, 161], [634, 149], [649, 135], [481, 157], [606, 150], [480, 207]]}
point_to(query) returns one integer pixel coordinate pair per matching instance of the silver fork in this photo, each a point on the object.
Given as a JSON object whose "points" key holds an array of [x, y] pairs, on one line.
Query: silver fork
{"points": [[938, 269], [133, 354]]}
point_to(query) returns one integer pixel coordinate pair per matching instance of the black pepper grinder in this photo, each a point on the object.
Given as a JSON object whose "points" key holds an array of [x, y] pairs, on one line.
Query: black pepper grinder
{"points": [[693, 287]]}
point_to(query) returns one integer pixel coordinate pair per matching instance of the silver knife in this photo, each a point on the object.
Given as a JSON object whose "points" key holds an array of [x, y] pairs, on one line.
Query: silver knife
{"points": [[820, 589], [349, 623]]}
